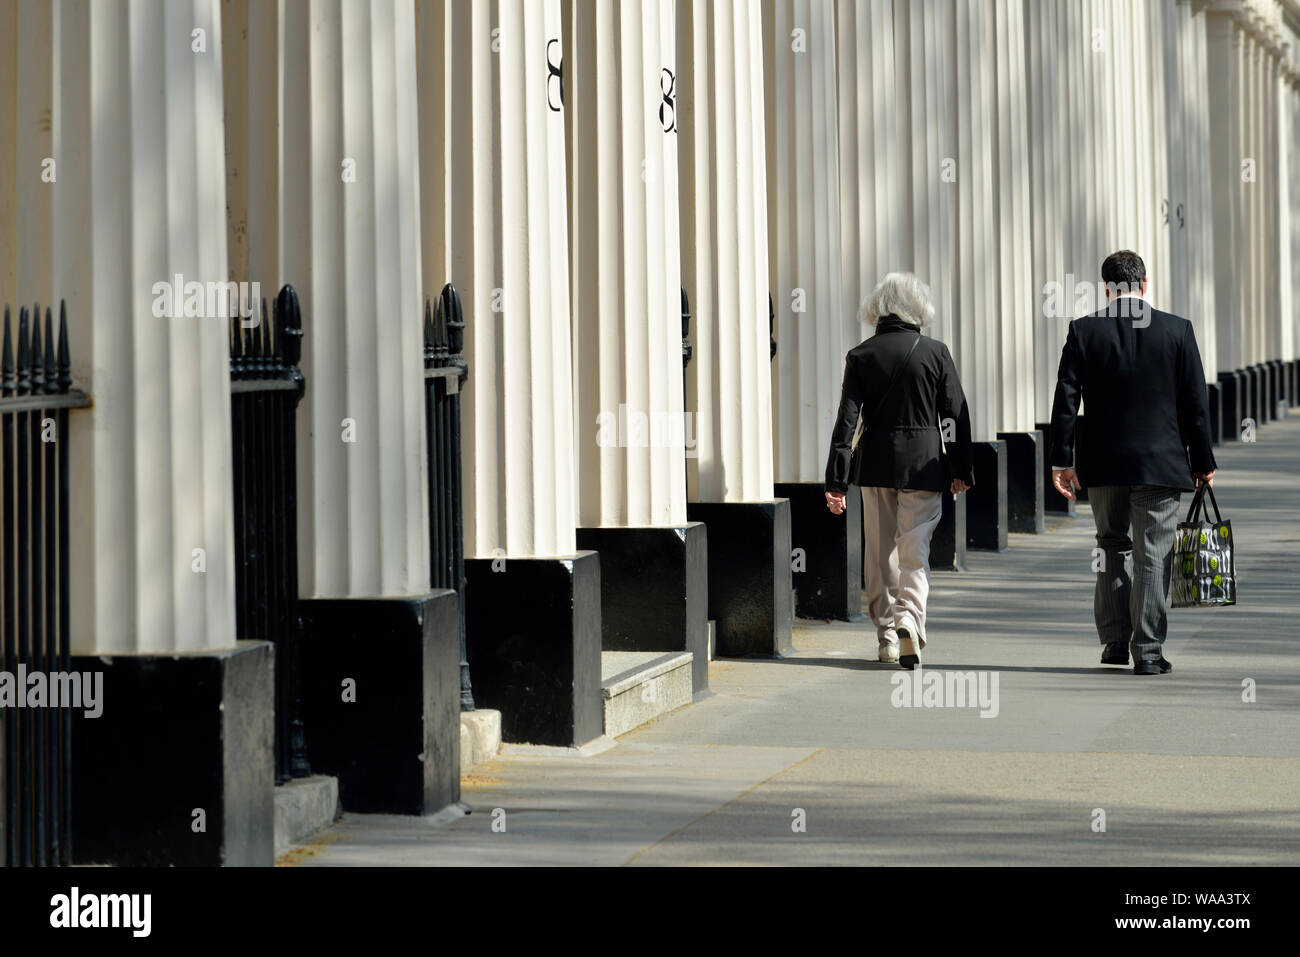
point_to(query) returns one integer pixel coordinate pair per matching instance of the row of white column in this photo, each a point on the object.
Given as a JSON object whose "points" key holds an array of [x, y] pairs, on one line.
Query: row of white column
{"points": [[570, 167]]}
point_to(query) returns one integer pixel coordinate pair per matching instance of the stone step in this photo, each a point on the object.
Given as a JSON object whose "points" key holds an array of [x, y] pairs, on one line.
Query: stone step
{"points": [[304, 806], [480, 737], [639, 686]]}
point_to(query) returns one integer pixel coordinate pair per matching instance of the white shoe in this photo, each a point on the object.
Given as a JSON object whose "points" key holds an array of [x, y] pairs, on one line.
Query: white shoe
{"points": [[888, 650]]}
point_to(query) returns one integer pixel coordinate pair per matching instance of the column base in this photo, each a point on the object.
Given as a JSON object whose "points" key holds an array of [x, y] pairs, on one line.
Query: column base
{"points": [[381, 699], [1054, 503], [1232, 396], [750, 581], [533, 628], [1025, 493], [1277, 373], [654, 590], [1214, 402], [180, 733], [827, 561], [1252, 385], [948, 543], [986, 508]]}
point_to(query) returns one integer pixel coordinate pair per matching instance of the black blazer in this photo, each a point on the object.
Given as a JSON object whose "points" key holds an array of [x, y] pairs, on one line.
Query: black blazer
{"points": [[1140, 375], [902, 448]]}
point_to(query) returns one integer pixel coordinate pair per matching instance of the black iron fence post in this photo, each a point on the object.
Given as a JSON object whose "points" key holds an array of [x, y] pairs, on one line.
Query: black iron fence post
{"points": [[445, 371], [266, 386]]}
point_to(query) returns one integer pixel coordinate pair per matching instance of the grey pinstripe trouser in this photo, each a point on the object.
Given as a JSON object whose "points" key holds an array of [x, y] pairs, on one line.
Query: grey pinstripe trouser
{"points": [[1134, 611]]}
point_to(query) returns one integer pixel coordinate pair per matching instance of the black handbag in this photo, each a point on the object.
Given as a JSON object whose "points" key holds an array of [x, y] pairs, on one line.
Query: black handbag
{"points": [[857, 443]]}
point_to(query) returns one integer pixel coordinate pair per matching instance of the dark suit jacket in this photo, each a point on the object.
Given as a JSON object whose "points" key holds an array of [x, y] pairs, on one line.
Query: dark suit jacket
{"points": [[901, 448], [1139, 373]]}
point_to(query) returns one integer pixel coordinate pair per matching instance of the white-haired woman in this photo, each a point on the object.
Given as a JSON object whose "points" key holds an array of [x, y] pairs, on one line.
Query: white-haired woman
{"points": [[904, 386]]}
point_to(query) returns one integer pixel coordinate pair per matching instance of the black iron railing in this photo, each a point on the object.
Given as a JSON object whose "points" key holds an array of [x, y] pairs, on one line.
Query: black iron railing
{"points": [[445, 369], [266, 386], [35, 396]]}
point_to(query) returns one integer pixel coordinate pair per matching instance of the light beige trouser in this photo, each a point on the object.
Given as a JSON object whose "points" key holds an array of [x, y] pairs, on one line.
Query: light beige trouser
{"points": [[896, 555]]}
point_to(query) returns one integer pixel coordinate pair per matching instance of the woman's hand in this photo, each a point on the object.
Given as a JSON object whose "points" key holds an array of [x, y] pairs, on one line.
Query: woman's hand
{"points": [[958, 486], [835, 502]]}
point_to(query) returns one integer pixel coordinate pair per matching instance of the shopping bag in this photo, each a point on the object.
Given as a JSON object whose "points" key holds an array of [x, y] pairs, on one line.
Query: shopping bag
{"points": [[1205, 570]]}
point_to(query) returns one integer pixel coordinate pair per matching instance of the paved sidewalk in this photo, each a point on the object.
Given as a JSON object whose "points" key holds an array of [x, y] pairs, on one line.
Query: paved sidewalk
{"points": [[1184, 770]]}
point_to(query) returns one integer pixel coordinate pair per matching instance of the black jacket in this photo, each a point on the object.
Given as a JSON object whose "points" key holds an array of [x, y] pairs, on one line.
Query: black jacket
{"points": [[901, 448], [1147, 415]]}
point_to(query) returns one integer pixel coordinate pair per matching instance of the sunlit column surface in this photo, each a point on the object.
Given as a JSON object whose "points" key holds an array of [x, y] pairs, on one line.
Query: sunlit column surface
{"points": [[724, 246], [349, 242], [495, 224], [813, 326], [621, 120]]}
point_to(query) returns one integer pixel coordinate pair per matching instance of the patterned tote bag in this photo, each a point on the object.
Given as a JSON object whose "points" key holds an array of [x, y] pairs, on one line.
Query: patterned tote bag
{"points": [[1205, 570]]}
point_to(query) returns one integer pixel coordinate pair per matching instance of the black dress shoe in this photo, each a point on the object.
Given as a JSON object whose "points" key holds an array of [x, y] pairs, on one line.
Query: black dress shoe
{"points": [[1158, 667], [1114, 654]]}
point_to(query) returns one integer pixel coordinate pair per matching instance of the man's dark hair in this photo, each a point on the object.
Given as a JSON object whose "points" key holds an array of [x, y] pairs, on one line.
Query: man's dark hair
{"points": [[1125, 270]]}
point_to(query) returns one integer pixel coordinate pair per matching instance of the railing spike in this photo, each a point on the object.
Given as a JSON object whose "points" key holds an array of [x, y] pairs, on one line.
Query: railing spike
{"points": [[51, 367], [7, 381], [38, 353], [65, 355], [288, 325], [24, 352]]}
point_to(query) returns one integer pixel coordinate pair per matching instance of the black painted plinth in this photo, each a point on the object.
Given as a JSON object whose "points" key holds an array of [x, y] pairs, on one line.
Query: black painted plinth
{"points": [[1054, 503], [1232, 395], [986, 505], [948, 543], [1254, 396], [654, 590], [1025, 492], [827, 561], [179, 768], [1214, 402], [533, 628], [381, 699], [1277, 373], [1295, 382], [750, 581]]}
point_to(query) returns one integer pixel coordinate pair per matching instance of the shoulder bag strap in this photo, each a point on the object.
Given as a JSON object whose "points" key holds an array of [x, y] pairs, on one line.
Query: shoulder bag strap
{"points": [[892, 382]]}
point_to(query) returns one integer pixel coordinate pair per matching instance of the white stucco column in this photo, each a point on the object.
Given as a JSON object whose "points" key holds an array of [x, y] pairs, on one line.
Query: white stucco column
{"points": [[1223, 55], [871, 197], [975, 297], [1050, 166], [725, 246], [814, 328], [620, 113], [494, 221], [349, 242], [927, 140], [134, 113], [1015, 375]]}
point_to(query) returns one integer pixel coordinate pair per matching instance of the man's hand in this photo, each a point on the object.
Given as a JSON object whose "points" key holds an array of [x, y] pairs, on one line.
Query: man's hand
{"points": [[1066, 481], [835, 502], [1204, 478], [958, 486]]}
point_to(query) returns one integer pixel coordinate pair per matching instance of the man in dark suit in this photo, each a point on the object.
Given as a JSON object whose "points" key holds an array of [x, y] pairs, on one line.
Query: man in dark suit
{"points": [[1144, 441]]}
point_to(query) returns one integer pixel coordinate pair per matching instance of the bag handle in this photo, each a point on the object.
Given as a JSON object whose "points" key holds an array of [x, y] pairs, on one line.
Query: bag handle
{"points": [[892, 382], [1198, 506]]}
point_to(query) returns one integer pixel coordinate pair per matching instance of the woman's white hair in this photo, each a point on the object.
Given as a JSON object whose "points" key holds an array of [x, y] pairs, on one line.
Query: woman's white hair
{"points": [[899, 294]]}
